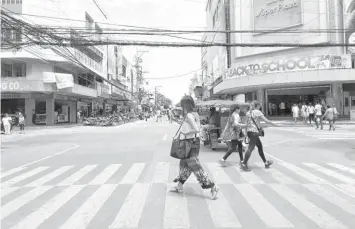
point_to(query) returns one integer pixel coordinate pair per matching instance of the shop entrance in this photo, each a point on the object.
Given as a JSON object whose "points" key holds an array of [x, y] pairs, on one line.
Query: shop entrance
{"points": [[291, 96], [61, 111]]}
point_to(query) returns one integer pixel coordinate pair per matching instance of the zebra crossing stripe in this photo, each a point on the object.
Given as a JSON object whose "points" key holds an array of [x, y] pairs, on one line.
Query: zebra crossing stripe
{"points": [[331, 197], [176, 211], [24, 176], [250, 177], [36, 218], [267, 213], [303, 173], [161, 174], [105, 175], [12, 206], [83, 216], [348, 188], [221, 213], [331, 173], [132, 208], [343, 168], [49, 176], [7, 190], [11, 171], [277, 175], [77, 176], [307, 208], [133, 174], [219, 174]]}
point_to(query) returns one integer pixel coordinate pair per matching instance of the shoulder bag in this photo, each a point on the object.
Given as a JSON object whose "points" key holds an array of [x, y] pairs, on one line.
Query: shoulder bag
{"points": [[260, 129], [180, 149]]}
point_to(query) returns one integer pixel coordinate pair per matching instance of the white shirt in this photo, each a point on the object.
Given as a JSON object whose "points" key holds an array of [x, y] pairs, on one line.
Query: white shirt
{"points": [[282, 106], [318, 109], [6, 120], [310, 109]]}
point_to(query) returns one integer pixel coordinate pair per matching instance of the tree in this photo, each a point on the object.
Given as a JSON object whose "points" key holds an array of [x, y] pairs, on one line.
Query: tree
{"points": [[142, 95]]}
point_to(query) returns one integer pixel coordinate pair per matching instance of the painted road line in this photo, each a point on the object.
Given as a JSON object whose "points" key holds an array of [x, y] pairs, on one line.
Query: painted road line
{"points": [[7, 190], [49, 176], [221, 213], [176, 214], [267, 213], [219, 175], [11, 171], [105, 175], [54, 155], [14, 205], [133, 174], [331, 173], [24, 176], [161, 174], [277, 175], [303, 173], [307, 208], [40, 215], [250, 177], [326, 194], [83, 216], [342, 168], [132, 208], [165, 137], [77, 176], [337, 138], [348, 188]]}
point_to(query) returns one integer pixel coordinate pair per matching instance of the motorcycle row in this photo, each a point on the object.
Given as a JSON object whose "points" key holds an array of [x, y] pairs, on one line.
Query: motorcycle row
{"points": [[111, 120]]}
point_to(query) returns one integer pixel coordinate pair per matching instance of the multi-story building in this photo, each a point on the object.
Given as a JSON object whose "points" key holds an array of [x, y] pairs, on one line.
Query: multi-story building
{"points": [[290, 74], [50, 84]]}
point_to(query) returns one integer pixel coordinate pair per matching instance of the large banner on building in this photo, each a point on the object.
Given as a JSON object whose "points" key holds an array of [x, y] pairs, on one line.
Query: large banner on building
{"points": [[64, 80], [276, 14], [291, 64], [349, 25]]}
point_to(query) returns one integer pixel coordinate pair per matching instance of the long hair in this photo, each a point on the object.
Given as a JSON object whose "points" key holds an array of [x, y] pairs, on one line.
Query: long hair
{"points": [[187, 104]]}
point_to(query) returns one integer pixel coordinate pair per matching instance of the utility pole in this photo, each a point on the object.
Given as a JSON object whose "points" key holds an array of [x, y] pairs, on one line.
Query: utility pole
{"points": [[139, 70], [156, 96]]}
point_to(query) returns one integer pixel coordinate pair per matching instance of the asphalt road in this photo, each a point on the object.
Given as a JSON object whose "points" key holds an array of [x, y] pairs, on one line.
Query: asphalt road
{"points": [[118, 177]]}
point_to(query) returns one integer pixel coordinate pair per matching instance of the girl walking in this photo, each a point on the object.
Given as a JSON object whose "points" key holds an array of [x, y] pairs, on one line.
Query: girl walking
{"points": [[190, 129], [253, 131], [233, 134]]}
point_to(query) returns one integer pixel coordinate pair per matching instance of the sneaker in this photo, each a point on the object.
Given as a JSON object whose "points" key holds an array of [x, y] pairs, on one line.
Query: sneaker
{"points": [[268, 163], [244, 167], [214, 192], [222, 163], [176, 189]]}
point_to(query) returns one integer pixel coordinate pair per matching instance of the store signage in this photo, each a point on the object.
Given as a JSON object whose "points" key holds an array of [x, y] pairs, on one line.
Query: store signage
{"points": [[276, 14], [61, 97], [64, 80], [292, 64], [10, 86], [117, 90]]}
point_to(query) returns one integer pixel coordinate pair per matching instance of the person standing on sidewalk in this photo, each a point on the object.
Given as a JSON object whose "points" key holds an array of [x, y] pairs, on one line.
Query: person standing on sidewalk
{"points": [[21, 122], [318, 118], [7, 123], [233, 134], [190, 129], [253, 126], [310, 111]]}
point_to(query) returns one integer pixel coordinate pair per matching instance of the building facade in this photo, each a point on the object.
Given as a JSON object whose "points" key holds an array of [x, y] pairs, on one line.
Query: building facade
{"points": [[50, 85], [288, 74]]}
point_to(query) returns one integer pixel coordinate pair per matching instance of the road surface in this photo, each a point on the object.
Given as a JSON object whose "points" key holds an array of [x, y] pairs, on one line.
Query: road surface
{"points": [[118, 177]]}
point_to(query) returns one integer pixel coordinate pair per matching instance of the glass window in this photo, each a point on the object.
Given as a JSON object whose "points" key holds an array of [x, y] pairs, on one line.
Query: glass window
{"points": [[6, 70], [19, 70], [3, 2]]}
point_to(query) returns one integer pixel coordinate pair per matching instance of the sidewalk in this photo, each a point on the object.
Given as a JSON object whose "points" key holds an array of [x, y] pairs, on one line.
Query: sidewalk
{"points": [[291, 123]]}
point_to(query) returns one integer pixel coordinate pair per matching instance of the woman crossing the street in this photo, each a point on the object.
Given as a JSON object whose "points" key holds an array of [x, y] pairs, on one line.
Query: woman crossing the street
{"points": [[190, 129], [254, 131], [233, 134]]}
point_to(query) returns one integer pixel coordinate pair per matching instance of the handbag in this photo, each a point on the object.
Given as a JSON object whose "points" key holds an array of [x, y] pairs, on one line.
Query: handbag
{"points": [[180, 148], [260, 129]]}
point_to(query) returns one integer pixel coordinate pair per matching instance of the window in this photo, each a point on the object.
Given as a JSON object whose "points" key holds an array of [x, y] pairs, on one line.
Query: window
{"points": [[13, 70], [89, 22], [124, 71], [116, 51], [98, 32]]}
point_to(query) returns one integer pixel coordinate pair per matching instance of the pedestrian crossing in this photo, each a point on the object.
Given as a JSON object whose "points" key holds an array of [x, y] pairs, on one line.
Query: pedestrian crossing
{"points": [[338, 134], [306, 195]]}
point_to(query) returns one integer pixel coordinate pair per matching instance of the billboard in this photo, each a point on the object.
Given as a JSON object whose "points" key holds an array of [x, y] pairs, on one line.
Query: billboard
{"points": [[276, 14]]}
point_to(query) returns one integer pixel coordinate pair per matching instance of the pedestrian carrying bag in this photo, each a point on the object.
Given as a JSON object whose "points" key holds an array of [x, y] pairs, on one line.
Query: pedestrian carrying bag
{"points": [[260, 129], [180, 148]]}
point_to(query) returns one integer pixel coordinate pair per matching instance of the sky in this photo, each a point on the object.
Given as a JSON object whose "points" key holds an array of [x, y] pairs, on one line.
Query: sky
{"points": [[162, 62]]}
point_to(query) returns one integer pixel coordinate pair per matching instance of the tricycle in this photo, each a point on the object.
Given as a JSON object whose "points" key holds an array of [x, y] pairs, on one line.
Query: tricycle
{"points": [[219, 111]]}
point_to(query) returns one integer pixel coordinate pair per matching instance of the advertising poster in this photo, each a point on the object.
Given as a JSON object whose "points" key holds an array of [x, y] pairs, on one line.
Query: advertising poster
{"points": [[64, 80]]}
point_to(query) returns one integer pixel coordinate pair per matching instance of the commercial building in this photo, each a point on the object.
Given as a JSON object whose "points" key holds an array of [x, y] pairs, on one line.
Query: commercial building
{"points": [[42, 82], [289, 74]]}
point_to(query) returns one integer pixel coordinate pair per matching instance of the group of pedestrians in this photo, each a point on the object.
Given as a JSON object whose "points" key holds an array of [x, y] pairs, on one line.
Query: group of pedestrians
{"points": [[317, 113], [7, 123], [233, 134]]}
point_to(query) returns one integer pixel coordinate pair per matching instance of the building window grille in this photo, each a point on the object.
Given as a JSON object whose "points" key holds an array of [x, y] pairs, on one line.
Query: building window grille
{"points": [[19, 70], [13, 70], [6, 70]]}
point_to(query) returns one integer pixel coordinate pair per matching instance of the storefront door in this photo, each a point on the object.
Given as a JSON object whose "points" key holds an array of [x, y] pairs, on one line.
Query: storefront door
{"points": [[347, 103]]}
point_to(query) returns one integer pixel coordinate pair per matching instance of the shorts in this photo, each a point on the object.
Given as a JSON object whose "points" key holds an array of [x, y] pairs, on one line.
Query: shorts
{"points": [[22, 126]]}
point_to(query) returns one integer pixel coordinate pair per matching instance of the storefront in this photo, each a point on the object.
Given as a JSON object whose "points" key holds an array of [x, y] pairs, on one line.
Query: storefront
{"points": [[84, 106], [293, 80]]}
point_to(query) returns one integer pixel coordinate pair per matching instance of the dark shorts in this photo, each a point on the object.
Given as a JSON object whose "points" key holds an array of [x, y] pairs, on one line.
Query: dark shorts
{"points": [[22, 126]]}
